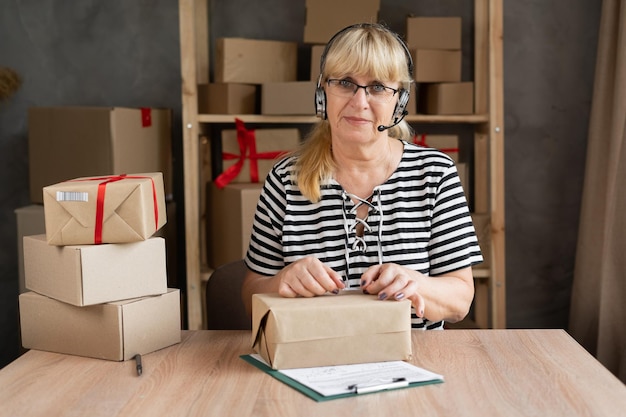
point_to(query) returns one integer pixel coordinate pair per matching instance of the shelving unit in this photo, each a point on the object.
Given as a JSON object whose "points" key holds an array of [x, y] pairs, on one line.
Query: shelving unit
{"points": [[488, 124]]}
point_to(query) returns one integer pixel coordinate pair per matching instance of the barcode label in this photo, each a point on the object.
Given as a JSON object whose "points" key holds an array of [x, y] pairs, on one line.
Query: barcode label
{"points": [[72, 196]]}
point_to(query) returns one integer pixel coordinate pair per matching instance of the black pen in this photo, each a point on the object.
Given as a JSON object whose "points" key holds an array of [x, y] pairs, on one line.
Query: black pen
{"points": [[395, 383], [138, 362]]}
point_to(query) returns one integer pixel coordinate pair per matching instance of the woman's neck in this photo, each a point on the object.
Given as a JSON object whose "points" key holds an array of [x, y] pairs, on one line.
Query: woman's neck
{"points": [[360, 170]]}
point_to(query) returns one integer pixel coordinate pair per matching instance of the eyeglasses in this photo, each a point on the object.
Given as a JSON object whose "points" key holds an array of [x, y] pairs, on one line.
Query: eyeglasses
{"points": [[346, 88]]}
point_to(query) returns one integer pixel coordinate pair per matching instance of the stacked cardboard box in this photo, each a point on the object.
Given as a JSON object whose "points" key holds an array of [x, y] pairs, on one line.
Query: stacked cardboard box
{"points": [[72, 142], [246, 67], [435, 44], [241, 67], [448, 144], [98, 277], [67, 142], [294, 97], [321, 25], [248, 156]]}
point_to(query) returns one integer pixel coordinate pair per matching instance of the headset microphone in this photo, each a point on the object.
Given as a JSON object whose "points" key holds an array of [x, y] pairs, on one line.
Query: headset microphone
{"points": [[397, 120]]}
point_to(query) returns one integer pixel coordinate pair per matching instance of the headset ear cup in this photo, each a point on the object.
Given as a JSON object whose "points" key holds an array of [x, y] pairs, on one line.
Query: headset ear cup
{"points": [[320, 103], [403, 101]]}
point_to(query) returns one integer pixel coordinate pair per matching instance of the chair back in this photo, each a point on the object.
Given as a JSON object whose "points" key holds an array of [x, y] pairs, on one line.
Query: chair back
{"points": [[224, 306]]}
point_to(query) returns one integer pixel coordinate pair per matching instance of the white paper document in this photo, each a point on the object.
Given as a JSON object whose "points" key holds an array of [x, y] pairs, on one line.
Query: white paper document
{"points": [[359, 378]]}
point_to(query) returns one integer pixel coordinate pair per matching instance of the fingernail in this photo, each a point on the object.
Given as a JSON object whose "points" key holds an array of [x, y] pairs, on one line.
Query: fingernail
{"points": [[421, 313], [365, 292], [382, 296], [335, 291], [399, 296], [363, 283]]}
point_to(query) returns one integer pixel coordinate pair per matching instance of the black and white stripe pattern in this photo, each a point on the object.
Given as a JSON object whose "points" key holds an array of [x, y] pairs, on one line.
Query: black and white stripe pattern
{"points": [[426, 224]]}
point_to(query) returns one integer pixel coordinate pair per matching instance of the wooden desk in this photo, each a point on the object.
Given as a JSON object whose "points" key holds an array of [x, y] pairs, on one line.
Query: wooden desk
{"points": [[487, 372]]}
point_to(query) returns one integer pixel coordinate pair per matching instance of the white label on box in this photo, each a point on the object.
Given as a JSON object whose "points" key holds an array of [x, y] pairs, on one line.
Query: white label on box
{"points": [[72, 196]]}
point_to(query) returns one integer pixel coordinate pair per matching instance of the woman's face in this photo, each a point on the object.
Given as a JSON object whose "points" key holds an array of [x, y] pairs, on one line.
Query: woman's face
{"points": [[356, 116]]}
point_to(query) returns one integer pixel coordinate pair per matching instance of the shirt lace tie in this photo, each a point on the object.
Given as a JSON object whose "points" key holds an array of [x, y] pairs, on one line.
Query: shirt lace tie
{"points": [[349, 213]]}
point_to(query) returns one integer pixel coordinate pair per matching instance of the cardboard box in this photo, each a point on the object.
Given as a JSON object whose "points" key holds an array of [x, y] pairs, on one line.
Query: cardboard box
{"points": [[269, 143], [230, 217], [463, 170], [115, 331], [482, 225], [447, 98], [434, 65], [330, 330], [169, 232], [449, 144], [433, 32], [316, 61], [253, 61], [93, 274], [411, 106], [111, 209], [231, 98], [30, 221], [324, 18], [288, 98], [72, 142]]}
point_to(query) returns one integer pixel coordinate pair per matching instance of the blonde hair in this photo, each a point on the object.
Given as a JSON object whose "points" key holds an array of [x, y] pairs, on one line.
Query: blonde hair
{"points": [[370, 49]]}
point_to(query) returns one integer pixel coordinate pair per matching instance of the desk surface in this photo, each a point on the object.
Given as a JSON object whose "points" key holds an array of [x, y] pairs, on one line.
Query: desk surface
{"points": [[487, 373]]}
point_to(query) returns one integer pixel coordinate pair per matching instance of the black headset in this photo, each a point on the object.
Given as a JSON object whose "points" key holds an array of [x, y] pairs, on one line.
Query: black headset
{"points": [[403, 99]]}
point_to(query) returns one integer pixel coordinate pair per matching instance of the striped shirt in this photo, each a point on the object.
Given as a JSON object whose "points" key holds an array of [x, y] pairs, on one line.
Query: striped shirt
{"points": [[418, 218]]}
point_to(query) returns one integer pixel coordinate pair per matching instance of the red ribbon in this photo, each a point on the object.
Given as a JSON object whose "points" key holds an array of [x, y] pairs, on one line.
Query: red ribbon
{"points": [[246, 139], [146, 117], [420, 140], [100, 201]]}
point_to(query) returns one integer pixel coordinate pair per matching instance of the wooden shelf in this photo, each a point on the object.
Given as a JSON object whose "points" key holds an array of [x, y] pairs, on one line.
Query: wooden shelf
{"points": [[481, 273], [488, 122], [258, 118]]}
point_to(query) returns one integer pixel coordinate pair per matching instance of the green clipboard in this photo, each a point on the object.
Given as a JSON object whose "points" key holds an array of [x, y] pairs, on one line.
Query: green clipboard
{"points": [[314, 395]]}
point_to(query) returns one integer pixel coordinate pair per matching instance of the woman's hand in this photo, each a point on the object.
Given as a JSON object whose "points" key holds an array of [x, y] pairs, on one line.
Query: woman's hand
{"points": [[308, 277], [392, 281], [446, 297]]}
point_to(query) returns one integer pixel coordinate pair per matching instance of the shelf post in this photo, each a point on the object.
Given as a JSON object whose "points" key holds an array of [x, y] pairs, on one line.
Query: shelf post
{"points": [[190, 21], [496, 163]]}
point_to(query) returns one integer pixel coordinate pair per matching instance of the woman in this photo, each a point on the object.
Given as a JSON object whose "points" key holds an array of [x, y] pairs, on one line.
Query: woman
{"points": [[359, 207]]}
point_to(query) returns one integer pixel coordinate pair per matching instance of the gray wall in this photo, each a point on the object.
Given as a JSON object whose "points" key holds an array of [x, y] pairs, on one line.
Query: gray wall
{"points": [[121, 53]]}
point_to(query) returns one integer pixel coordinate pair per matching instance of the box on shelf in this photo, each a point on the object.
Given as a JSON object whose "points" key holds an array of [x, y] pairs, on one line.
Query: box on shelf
{"points": [[437, 65], [447, 98], [288, 98], [320, 25], [230, 213], [433, 32], [227, 98], [262, 149], [93, 274], [482, 225], [463, 170], [254, 61], [306, 332], [109, 209], [448, 144], [316, 58], [30, 221], [115, 331], [411, 106], [72, 142]]}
